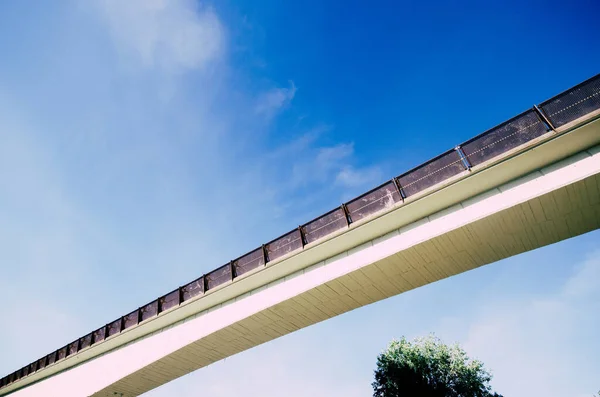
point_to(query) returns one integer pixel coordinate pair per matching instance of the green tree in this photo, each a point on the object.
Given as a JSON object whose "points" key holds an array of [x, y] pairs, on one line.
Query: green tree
{"points": [[429, 368]]}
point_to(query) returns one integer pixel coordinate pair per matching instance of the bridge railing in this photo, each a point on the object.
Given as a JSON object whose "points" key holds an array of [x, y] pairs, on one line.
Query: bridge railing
{"points": [[557, 113]]}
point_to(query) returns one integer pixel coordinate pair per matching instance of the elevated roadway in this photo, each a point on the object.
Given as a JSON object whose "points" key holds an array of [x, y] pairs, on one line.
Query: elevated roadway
{"points": [[427, 225]]}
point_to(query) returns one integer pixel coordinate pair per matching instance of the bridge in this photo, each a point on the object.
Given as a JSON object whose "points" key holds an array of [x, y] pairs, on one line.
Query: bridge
{"points": [[529, 182]]}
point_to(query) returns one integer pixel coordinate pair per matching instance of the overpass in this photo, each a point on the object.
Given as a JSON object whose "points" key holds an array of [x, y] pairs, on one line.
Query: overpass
{"points": [[529, 182]]}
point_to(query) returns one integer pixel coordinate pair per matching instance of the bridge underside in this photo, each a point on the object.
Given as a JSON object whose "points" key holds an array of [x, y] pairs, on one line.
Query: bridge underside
{"points": [[547, 206]]}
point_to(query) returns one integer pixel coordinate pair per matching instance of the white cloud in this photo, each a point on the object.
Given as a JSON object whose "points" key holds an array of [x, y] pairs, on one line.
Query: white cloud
{"points": [[174, 34], [269, 103], [318, 164], [313, 176], [358, 177], [334, 163], [328, 157], [298, 145]]}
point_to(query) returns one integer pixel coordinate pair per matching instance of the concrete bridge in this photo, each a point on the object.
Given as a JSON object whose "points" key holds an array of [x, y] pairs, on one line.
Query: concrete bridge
{"points": [[532, 181]]}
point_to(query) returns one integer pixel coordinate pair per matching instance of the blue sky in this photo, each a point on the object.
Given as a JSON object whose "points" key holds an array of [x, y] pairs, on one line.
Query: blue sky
{"points": [[143, 143]]}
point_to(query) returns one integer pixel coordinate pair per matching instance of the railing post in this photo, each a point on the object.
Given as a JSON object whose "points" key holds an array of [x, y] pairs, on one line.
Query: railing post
{"points": [[204, 283], [264, 252], [346, 214], [463, 157], [302, 237], [543, 118], [399, 187]]}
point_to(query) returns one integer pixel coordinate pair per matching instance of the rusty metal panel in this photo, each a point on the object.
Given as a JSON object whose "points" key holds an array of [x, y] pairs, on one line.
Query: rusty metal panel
{"points": [[193, 289], [431, 173], [284, 245], [218, 277], [85, 341], [131, 319], [114, 327], [508, 135], [52, 358], [41, 363], [149, 310], [169, 301], [62, 353], [378, 199], [324, 225], [249, 262], [72, 348], [99, 335], [574, 103]]}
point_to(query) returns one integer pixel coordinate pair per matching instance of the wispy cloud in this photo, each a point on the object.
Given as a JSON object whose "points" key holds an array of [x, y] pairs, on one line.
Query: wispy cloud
{"points": [[174, 34], [320, 164], [352, 177], [314, 176], [316, 164], [270, 102]]}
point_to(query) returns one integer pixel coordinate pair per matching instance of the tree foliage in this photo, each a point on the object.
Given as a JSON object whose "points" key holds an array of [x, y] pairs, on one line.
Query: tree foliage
{"points": [[429, 368]]}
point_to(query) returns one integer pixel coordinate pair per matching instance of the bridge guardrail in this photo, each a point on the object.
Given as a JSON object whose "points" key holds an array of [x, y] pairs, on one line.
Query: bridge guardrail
{"points": [[574, 103]]}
